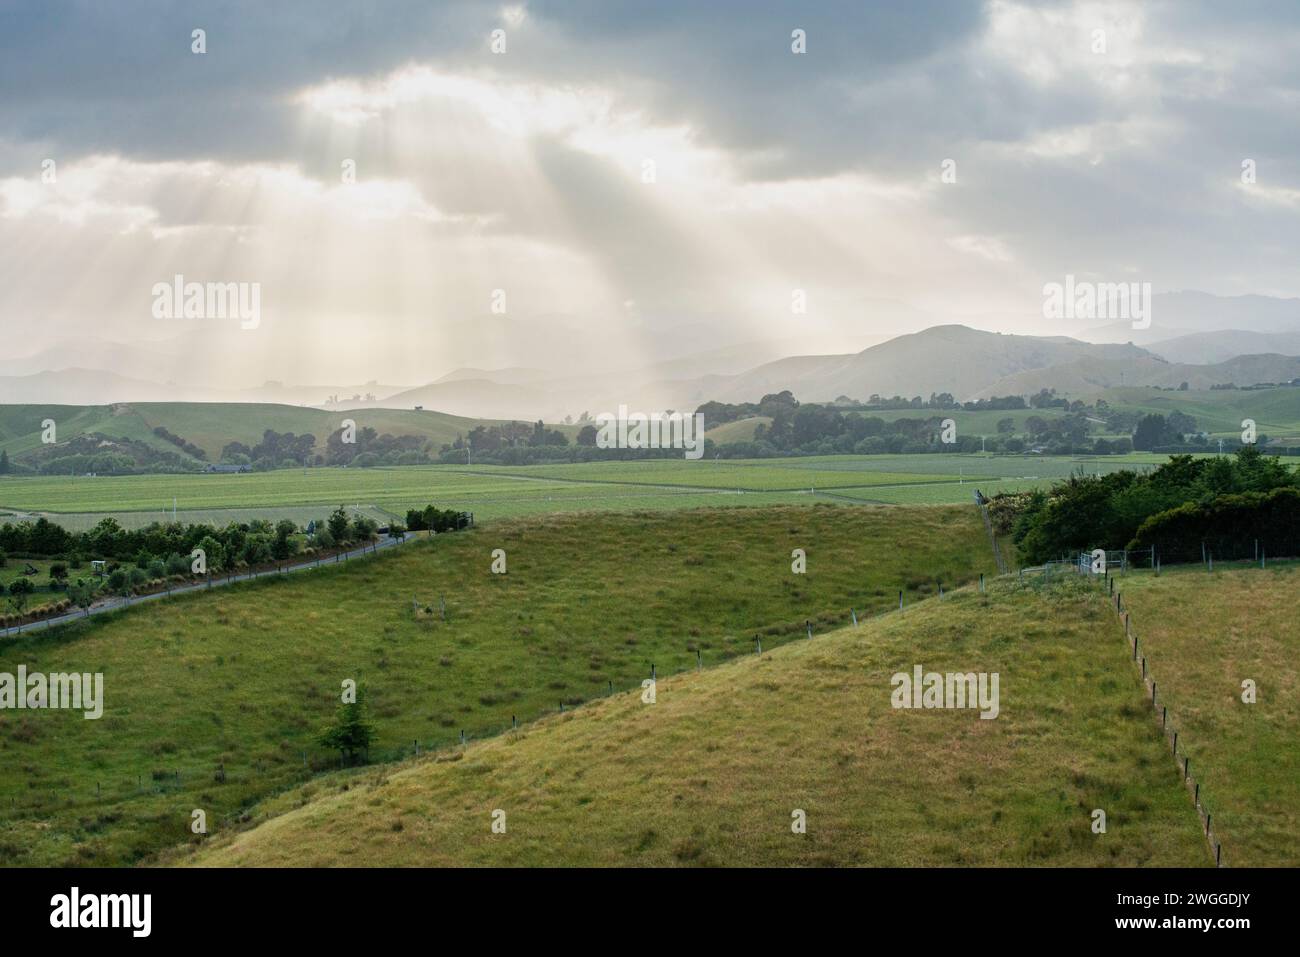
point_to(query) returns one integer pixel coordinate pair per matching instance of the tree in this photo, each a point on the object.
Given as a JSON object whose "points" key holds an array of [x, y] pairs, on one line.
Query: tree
{"points": [[350, 734], [82, 595], [1151, 432], [338, 525], [19, 591], [214, 553], [4, 462], [284, 546], [364, 528]]}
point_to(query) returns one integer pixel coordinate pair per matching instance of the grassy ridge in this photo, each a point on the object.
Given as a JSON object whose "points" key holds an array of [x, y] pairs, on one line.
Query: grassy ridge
{"points": [[1203, 634], [1275, 411], [710, 773], [211, 425], [244, 677]]}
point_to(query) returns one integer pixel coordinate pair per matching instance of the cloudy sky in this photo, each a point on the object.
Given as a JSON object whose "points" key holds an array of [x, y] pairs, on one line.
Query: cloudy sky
{"points": [[626, 173]]}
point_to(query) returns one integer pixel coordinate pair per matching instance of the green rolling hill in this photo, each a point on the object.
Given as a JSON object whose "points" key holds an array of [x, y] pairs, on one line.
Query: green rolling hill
{"points": [[211, 425]]}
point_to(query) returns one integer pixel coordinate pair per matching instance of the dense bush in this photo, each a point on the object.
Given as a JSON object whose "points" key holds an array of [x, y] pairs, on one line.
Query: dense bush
{"points": [[1228, 526], [1089, 511], [437, 520]]}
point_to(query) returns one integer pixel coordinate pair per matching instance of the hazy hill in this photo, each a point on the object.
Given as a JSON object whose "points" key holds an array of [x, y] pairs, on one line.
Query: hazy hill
{"points": [[1094, 375], [211, 425], [1204, 348], [511, 376], [1182, 313], [951, 358]]}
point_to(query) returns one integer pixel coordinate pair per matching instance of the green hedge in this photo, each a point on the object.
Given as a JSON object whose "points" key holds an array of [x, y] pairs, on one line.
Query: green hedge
{"points": [[1228, 525]]}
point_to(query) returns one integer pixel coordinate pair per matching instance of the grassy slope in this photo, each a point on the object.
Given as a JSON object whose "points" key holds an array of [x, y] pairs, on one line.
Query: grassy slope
{"points": [[742, 430], [1275, 411], [1202, 635], [211, 425], [247, 675], [20, 425], [711, 772]]}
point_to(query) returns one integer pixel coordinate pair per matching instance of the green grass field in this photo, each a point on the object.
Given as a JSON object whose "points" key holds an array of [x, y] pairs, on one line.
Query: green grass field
{"points": [[245, 677], [751, 475], [1203, 634], [504, 492], [711, 773]]}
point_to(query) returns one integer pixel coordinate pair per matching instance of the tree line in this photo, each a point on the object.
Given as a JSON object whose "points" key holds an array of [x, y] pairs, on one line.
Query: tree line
{"points": [[1230, 500]]}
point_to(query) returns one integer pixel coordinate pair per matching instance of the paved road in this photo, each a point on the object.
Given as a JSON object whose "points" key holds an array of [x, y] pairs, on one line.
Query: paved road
{"points": [[123, 602]]}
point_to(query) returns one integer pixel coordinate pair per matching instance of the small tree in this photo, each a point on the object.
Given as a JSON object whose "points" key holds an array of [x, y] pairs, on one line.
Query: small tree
{"points": [[284, 546], [82, 595], [118, 582], [338, 525], [350, 734], [19, 591], [214, 552]]}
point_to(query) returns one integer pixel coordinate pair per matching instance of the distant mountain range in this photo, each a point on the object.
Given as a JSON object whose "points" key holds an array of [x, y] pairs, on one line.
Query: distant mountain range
{"points": [[1178, 314], [1202, 348], [1196, 338]]}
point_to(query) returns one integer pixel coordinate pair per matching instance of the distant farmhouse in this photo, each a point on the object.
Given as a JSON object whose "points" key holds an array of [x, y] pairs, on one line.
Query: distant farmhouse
{"points": [[224, 469]]}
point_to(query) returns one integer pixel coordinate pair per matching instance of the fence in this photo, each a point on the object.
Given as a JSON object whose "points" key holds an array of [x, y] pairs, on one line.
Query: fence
{"points": [[982, 502], [1167, 723]]}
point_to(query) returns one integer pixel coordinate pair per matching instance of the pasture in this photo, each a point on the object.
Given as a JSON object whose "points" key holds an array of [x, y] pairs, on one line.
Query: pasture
{"points": [[1204, 634], [716, 769], [235, 684], [493, 492]]}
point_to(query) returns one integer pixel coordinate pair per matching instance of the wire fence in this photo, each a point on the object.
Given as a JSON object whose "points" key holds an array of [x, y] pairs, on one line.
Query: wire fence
{"points": [[1168, 724], [1116, 563]]}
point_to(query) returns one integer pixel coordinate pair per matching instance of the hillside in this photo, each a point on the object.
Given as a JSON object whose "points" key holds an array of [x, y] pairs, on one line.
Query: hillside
{"points": [[955, 359], [1188, 312], [1276, 411], [211, 425], [1091, 375], [1204, 348], [236, 684], [1203, 635], [711, 773]]}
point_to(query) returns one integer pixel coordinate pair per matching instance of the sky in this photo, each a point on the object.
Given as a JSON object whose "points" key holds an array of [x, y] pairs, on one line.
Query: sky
{"points": [[412, 184]]}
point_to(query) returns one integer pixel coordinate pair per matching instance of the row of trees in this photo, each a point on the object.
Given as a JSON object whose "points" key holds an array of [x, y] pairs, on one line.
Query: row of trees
{"points": [[141, 559], [250, 543]]}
